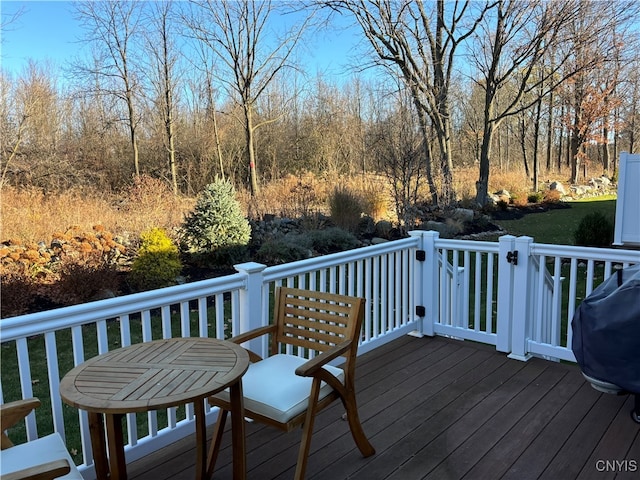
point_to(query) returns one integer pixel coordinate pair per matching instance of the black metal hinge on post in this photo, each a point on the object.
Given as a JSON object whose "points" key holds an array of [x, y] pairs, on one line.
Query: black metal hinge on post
{"points": [[421, 311], [421, 255], [512, 257]]}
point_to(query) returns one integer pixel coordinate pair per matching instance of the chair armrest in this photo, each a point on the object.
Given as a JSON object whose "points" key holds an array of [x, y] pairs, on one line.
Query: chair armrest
{"points": [[250, 335], [44, 471], [11, 413], [309, 368]]}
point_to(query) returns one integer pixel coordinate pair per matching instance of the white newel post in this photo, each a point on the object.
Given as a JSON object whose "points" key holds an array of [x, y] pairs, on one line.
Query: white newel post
{"points": [[427, 286], [251, 307], [521, 318], [505, 293], [418, 284]]}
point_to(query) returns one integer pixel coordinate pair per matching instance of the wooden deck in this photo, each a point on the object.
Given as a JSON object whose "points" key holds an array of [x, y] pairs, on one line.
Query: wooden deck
{"points": [[442, 409]]}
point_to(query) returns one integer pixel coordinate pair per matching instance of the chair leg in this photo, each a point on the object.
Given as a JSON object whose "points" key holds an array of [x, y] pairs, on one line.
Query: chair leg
{"points": [[307, 431], [355, 426], [216, 439]]}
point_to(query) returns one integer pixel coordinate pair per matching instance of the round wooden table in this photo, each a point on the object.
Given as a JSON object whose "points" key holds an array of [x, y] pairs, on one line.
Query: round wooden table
{"points": [[150, 376]]}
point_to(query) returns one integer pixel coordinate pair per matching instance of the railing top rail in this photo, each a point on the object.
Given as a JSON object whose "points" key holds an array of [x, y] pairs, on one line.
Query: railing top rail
{"points": [[66, 317], [587, 253], [472, 245], [311, 264]]}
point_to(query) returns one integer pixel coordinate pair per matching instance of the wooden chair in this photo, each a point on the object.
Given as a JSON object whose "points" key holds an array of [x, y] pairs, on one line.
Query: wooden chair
{"points": [[42, 459], [285, 390]]}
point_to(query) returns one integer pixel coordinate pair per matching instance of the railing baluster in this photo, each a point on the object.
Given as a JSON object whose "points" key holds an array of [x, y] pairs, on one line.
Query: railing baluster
{"points": [[102, 336], [489, 317], [51, 350], [556, 325]]}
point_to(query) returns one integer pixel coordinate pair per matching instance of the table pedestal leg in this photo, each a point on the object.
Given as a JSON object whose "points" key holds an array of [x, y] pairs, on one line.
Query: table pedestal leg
{"points": [[201, 440], [98, 445], [117, 463], [237, 431]]}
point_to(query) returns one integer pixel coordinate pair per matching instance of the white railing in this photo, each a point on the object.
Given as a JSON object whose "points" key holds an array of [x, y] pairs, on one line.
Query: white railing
{"points": [[575, 272], [422, 284]]}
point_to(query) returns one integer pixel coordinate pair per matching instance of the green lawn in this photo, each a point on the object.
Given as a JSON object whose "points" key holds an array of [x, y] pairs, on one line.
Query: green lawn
{"points": [[557, 225]]}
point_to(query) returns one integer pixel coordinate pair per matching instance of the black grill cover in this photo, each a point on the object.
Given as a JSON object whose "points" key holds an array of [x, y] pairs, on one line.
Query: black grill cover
{"points": [[606, 331]]}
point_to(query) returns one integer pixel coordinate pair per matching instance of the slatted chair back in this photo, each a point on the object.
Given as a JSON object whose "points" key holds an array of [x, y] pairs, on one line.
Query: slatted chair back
{"points": [[315, 321]]}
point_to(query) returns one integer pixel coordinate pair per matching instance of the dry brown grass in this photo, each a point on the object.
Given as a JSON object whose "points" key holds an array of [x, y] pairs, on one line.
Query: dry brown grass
{"points": [[30, 215], [92, 230], [515, 182], [307, 194]]}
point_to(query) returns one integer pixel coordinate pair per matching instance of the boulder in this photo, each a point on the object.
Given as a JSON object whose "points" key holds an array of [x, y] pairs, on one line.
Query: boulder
{"points": [[502, 195], [439, 227], [465, 215], [558, 186]]}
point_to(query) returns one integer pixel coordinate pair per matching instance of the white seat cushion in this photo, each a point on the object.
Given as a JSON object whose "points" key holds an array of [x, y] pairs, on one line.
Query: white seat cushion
{"points": [[271, 387], [37, 452]]}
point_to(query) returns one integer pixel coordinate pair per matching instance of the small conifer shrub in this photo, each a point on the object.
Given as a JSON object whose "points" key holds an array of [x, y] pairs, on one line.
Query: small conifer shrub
{"points": [[216, 227], [594, 230], [157, 263]]}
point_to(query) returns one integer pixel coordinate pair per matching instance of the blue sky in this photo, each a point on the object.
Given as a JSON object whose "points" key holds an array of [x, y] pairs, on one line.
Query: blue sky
{"points": [[46, 30]]}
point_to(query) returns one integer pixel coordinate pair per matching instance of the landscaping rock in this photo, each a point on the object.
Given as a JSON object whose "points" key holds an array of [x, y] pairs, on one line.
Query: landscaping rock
{"points": [[463, 214], [558, 186]]}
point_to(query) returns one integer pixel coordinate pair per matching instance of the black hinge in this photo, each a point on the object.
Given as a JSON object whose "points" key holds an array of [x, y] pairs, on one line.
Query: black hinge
{"points": [[512, 257], [421, 255], [421, 311]]}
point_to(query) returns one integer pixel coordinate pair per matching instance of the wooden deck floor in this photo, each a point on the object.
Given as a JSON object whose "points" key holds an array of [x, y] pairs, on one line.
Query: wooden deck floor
{"points": [[442, 409]]}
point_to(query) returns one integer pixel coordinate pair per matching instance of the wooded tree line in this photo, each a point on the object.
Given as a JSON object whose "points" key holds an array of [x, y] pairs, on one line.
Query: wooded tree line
{"points": [[187, 91]]}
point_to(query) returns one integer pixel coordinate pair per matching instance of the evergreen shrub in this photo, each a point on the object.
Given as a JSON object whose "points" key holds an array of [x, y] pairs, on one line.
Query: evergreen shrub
{"points": [[288, 248], [332, 240], [216, 229], [594, 230], [535, 197], [157, 263]]}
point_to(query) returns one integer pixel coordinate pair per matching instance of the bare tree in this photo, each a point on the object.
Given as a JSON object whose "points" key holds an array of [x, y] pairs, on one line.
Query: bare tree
{"points": [[420, 45], [629, 114], [160, 42], [32, 124], [537, 45], [396, 143], [252, 57], [601, 39], [14, 115], [509, 49], [111, 28]]}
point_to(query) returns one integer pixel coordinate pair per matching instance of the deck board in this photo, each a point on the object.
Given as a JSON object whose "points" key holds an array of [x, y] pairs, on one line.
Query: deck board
{"points": [[436, 408]]}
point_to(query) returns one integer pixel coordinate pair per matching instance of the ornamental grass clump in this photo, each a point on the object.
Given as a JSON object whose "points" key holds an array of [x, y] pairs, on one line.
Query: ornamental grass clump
{"points": [[346, 208], [157, 263], [216, 231]]}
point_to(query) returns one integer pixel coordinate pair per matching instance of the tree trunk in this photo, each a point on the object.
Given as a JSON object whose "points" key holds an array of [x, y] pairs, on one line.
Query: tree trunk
{"points": [[134, 146], [536, 143], [606, 158], [482, 185], [251, 154], [424, 127], [574, 149], [523, 145], [550, 132], [216, 136], [169, 128], [448, 191]]}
